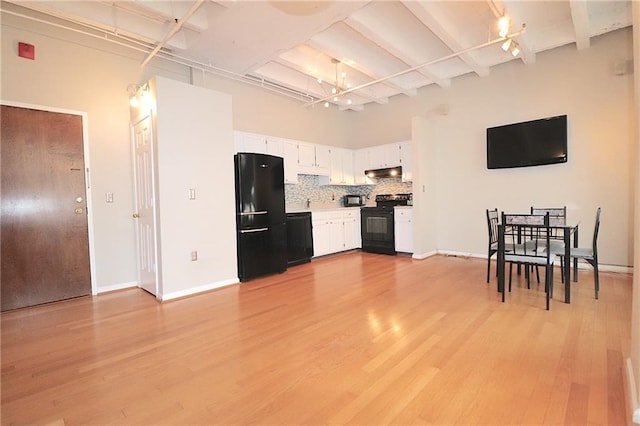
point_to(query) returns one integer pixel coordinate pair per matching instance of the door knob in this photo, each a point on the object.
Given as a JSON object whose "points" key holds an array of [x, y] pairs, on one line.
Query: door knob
{"points": [[79, 210], [136, 215]]}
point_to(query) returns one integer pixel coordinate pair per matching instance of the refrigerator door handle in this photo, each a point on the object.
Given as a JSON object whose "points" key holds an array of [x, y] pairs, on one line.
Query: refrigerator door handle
{"points": [[245, 231], [252, 213]]}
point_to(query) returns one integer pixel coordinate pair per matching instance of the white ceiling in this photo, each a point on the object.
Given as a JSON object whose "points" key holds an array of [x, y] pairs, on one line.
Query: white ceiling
{"points": [[287, 46]]}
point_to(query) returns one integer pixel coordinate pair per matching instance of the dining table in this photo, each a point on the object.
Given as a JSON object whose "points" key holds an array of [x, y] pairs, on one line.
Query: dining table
{"points": [[561, 229]]}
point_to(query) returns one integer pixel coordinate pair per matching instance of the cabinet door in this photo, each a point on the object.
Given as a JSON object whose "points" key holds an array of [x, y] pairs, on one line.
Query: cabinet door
{"points": [[336, 174], [360, 164], [336, 236], [404, 230], [306, 155], [350, 235], [275, 146], [377, 157], [347, 167], [323, 159], [392, 154], [290, 149], [405, 161], [321, 237], [252, 142]]}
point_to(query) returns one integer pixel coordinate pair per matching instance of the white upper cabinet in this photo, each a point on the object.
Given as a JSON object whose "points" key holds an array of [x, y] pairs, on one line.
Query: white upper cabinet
{"points": [[360, 164], [405, 161], [250, 142], [314, 159], [347, 167], [383, 156], [275, 146], [341, 170], [290, 150]]}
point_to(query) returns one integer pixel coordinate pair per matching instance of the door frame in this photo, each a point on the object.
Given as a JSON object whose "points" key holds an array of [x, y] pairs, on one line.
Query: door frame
{"points": [[87, 176]]}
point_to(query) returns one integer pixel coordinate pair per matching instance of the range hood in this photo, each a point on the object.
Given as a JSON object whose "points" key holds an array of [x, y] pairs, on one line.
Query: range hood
{"points": [[390, 172]]}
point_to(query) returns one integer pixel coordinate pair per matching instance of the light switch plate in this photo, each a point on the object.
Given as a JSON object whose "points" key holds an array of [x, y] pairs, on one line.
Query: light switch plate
{"points": [[109, 197], [192, 193]]}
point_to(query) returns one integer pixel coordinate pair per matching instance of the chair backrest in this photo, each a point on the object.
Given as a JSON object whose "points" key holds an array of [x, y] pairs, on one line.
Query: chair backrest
{"points": [[525, 232], [492, 223], [596, 228], [557, 215]]}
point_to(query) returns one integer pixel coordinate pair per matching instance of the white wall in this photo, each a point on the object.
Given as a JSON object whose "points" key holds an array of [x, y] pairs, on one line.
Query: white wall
{"points": [[194, 143], [600, 168]]}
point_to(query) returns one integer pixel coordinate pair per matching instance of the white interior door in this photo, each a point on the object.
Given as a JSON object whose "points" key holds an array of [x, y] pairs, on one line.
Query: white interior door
{"points": [[145, 206]]}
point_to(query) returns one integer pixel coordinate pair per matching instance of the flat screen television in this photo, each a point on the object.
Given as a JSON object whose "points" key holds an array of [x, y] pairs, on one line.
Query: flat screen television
{"points": [[531, 143]]}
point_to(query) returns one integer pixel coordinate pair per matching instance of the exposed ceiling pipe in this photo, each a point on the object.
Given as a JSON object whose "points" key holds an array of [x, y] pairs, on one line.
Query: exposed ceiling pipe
{"points": [[173, 31], [433, 62], [139, 46]]}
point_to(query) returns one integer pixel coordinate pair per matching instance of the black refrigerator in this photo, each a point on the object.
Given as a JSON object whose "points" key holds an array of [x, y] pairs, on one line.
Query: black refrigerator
{"points": [[260, 215]]}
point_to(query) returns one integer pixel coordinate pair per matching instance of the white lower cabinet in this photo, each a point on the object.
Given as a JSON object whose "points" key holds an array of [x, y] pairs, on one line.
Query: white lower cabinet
{"points": [[335, 231], [403, 226]]}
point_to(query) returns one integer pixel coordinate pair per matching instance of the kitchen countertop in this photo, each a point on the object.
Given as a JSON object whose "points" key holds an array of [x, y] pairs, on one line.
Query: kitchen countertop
{"points": [[317, 208], [321, 208]]}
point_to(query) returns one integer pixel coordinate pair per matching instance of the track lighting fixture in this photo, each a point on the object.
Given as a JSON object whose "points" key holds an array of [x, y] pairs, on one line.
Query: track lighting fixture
{"points": [[503, 26], [511, 45]]}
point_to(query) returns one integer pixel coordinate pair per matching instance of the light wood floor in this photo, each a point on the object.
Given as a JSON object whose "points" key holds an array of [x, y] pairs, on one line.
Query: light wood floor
{"points": [[355, 338]]}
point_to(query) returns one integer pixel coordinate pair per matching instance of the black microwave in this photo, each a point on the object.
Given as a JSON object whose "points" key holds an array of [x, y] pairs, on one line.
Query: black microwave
{"points": [[354, 200]]}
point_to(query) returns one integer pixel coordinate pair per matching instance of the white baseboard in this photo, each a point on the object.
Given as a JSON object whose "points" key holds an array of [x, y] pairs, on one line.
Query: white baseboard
{"points": [[196, 290], [581, 265], [421, 256], [114, 287], [632, 395]]}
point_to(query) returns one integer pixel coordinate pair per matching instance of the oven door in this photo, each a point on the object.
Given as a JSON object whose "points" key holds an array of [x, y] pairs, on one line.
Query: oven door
{"points": [[377, 230]]}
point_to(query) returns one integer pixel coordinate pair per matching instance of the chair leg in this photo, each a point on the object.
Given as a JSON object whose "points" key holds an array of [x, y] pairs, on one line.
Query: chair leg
{"points": [[562, 268], [596, 276], [510, 273], [488, 269], [538, 274]]}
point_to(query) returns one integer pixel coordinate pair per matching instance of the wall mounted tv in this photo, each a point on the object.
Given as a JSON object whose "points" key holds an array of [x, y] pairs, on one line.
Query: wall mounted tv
{"points": [[531, 143]]}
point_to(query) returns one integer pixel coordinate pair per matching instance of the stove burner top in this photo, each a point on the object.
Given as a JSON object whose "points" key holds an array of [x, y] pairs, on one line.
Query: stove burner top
{"points": [[390, 200]]}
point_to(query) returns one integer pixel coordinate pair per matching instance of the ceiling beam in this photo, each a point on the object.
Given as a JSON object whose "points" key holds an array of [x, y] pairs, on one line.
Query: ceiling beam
{"points": [[381, 38], [580, 17], [174, 30], [430, 15]]}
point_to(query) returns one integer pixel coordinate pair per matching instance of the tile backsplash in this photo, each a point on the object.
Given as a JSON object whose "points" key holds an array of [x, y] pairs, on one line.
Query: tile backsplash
{"points": [[309, 187]]}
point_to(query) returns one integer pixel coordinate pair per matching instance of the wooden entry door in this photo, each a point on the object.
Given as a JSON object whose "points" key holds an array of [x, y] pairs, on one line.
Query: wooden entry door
{"points": [[44, 233]]}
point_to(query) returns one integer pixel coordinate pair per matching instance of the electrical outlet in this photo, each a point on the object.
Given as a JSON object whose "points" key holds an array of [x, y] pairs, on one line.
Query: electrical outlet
{"points": [[194, 256]]}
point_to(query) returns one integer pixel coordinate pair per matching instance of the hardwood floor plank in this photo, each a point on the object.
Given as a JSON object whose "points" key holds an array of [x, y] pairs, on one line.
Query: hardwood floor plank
{"points": [[355, 338]]}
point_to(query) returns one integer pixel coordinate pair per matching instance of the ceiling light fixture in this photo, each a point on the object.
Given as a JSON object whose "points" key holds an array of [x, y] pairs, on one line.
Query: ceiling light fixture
{"points": [[512, 46], [503, 26], [339, 85]]}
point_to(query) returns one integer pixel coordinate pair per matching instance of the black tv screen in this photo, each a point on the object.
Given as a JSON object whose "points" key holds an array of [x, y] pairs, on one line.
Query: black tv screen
{"points": [[531, 143]]}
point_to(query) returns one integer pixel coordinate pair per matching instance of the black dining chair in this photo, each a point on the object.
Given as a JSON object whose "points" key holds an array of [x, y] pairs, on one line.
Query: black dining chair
{"points": [[528, 237], [588, 254], [492, 224]]}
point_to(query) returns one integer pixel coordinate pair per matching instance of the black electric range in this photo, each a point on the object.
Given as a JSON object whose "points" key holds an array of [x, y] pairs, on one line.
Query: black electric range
{"points": [[378, 232]]}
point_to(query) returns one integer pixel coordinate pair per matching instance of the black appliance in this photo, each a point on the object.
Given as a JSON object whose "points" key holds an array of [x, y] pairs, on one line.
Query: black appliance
{"points": [[299, 238], [377, 223], [531, 143], [354, 200], [389, 172], [260, 215]]}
